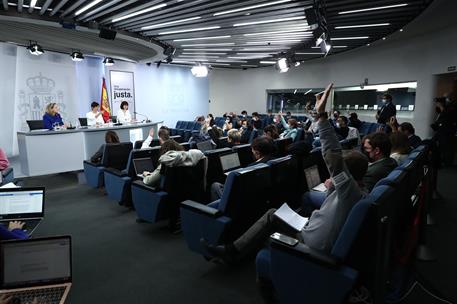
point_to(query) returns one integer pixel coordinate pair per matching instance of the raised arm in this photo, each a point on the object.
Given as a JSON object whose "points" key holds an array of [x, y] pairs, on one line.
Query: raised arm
{"points": [[283, 122], [331, 147]]}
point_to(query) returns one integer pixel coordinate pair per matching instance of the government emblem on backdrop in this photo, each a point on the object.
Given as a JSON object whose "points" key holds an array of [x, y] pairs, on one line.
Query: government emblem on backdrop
{"points": [[40, 92]]}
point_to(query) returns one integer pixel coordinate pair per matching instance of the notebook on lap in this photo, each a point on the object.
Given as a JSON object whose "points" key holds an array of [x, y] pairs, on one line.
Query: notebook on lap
{"points": [[22, 204], [230, 162], [141, 165], [36, 269]]}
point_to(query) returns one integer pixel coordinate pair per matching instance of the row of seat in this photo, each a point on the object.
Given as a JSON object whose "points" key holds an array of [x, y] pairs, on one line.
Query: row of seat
{"points": [[186, 129], [380, 231]]}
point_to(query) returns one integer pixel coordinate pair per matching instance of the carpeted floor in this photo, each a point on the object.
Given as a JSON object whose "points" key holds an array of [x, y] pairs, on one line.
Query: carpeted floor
{"points": [[116, 260]]}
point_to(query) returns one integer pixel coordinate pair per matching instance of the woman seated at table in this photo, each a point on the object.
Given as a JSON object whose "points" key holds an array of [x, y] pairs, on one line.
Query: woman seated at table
{"points": [[52, 117], [94, 117], [110, 138], [123, 114]]}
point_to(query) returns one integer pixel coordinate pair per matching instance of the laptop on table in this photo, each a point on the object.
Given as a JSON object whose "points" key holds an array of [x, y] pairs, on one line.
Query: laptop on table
{"points": [[313, 179], [205, 146], [22, 204], [230, 162], [141, 165], [36, 269]]}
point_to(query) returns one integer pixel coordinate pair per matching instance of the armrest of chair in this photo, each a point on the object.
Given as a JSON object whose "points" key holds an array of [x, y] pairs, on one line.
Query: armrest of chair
{"points": [[116, 172], [7, 171], [140, 184], [201, 208], [303, 251]]}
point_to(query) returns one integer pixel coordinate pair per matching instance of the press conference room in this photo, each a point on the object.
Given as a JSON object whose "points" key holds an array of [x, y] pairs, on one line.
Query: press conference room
{"points": [[197, 151]]}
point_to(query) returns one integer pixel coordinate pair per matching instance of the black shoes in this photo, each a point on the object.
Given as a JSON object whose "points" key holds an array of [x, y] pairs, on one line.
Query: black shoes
{"points": [[225, 253]]}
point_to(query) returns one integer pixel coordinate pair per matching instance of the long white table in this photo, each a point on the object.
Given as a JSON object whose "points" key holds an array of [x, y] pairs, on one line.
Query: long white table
{"points": [[44, 152]]}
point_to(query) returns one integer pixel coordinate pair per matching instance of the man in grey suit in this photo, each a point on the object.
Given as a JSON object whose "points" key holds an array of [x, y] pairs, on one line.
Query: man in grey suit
{"points": [[324, 225], [377, 147]]}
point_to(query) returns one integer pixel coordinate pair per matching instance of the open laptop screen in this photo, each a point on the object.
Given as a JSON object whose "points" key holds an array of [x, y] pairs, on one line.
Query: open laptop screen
{"points": [[204, 146], [230, 161], [312, 177], [35, 262], [143, 164], [16, 203]]}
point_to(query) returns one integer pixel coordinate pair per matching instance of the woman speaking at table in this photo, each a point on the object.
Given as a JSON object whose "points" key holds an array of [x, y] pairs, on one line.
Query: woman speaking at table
{"points": [[52, 117]]}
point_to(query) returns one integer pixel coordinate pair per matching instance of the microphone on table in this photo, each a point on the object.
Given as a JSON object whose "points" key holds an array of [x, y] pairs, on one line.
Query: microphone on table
{"points": [[147, 119]]}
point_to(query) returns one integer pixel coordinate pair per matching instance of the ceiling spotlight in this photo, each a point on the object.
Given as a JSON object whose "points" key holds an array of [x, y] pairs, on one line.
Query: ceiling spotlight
{"points": [[77, 56], [200, 71], [108, 61], [297, 63], [35, 49], [283, 65]]}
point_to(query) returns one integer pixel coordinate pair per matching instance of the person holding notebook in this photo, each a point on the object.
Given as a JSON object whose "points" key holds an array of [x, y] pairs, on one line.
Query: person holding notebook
{"points": [[13, 231], [323, 226]]}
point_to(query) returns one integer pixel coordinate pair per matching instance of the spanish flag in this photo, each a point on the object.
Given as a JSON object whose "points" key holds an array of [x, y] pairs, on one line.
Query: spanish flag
{"points": [[104, 103]]}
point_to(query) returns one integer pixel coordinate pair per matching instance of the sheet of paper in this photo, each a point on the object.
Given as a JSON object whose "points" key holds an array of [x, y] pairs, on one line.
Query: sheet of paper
{"points": [[9, 185], [291, 218], [321, 188]]}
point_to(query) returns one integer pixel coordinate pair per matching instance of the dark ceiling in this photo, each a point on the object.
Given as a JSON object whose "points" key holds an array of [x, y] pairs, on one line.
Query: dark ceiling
{"points": [[218, 32]]}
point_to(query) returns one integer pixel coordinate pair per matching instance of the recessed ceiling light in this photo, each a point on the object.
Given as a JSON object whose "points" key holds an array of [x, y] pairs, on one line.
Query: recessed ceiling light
{"points": [[207, 50], [350, 38], [281, 32], [191, 30], [146, 10], [250, 7], [85, 8], [202, 53], [267, 62], [231, 60], [383, 38], [273, 42], [208, 44], [401, 30], [215, 63], [373, 8], [304, 53], [169, 23], [202, 38], [335, 46], [265, 48], [199, 56], [249, 65], [269, 21], [361, 26]]}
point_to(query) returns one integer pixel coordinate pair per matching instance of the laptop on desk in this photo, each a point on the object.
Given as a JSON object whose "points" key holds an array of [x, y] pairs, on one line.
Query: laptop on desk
{"points": [[230, 162], [313, 179], [205, 146], [141, 165], [22, 204], [36, 269]]}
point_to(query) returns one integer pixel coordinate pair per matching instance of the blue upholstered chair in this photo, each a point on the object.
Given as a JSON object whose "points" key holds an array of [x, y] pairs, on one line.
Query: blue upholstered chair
{"points": [[244, 200], [177, 184], [114, 156], [284, 181], [7, 175], [281, 146], [301, 274], [118, 182], [215, 172], [244, 154]]}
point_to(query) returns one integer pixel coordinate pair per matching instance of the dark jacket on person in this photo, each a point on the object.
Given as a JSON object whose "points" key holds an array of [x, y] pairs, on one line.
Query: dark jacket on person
{"points": [[414, 141], [378, 170], [386, 112], [263, 160]]}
